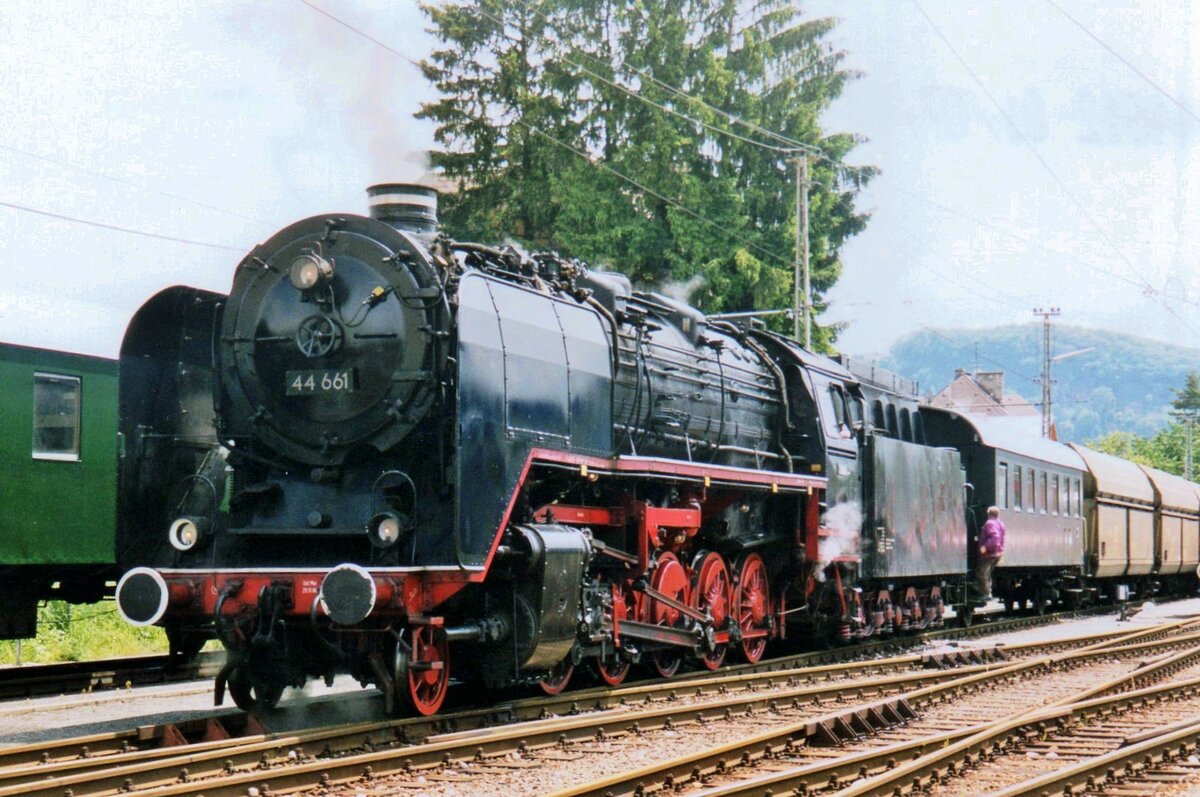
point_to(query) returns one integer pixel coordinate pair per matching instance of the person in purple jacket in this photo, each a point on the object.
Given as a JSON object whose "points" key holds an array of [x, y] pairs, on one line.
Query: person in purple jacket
{"points": [[991, 548]]}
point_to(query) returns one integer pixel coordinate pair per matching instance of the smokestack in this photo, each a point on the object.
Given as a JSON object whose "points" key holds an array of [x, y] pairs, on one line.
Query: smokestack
{"points": [[405, 206]]}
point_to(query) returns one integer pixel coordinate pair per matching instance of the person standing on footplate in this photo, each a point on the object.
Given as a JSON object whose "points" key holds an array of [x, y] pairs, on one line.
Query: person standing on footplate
{"points": [[991, 549]]}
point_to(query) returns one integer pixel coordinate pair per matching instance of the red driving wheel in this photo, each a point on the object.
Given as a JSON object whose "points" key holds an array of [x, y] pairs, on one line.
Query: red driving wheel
{"points": [[557, 679], [423, 679], [612, 671], [671, 579], [712, 593], [752, 603]]}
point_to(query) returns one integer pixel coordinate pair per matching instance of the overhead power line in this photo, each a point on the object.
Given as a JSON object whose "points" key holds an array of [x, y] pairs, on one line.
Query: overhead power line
{"points": [[1147, 288], [787, 141], [664, 108], [123, 181], [114, 227], [362, 33], [690, 98], [661, 197], [790, 145], [1171, 99], [629, 180]]}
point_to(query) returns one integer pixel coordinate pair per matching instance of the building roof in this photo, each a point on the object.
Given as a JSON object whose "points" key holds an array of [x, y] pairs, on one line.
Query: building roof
{"points": [[981, 393]]}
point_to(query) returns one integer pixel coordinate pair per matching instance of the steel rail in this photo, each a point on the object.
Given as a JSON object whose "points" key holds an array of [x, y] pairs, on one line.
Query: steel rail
{"points": [[90, 752], [860, 766], [1112, 769], [144, 769], [666, 773], [797, 666], [39, 680]]}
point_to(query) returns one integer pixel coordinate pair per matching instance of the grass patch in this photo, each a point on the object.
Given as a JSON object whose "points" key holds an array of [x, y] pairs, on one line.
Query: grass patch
{"points": [[72, 632]]}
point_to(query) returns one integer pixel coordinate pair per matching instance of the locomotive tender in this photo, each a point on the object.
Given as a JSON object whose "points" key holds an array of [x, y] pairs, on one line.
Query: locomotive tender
{"points": [[403, 457]]}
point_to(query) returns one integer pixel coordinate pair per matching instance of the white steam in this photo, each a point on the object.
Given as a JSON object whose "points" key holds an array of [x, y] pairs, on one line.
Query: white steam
{"points": [[845, 522], [682, 290]]}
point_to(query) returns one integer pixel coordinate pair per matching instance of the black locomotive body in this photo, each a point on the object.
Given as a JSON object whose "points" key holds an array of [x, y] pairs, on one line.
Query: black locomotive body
{"points": [[395, 455]]}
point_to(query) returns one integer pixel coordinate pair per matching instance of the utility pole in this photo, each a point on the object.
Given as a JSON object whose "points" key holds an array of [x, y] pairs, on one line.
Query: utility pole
{"points": [[1187, 459], [1046, 315], [803, 294], [1189, 418]]}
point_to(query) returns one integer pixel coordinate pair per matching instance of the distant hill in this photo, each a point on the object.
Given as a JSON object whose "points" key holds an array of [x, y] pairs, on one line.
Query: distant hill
{"points": [[1123, 385]]}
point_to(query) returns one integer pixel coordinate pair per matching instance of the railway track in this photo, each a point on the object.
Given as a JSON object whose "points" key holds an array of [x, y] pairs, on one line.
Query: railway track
{"points": [[39, 680], [841, 696], [825, 753]]}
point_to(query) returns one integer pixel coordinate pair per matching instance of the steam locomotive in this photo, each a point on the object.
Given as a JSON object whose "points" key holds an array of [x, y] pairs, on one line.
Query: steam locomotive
{"points": [[394, 455]]}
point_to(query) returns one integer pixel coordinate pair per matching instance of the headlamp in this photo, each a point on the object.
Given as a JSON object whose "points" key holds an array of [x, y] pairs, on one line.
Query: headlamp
{"points": [[308, 271], [185, 532], [384, 529]]}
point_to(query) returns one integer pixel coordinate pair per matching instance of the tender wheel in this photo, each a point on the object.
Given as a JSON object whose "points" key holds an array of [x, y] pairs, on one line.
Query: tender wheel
{"points": [[752, 603], [712, 593], [423, 673], [1039, 602], [671, 579], [251, 695], [557, 679]]}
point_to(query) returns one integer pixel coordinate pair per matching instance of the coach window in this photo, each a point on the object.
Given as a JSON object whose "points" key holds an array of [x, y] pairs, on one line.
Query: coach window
{"points": [[1055, 508], [56, 402], [1043, 505], [1002, 485], [1017, 492], [1078, 499], [1030, 497]]}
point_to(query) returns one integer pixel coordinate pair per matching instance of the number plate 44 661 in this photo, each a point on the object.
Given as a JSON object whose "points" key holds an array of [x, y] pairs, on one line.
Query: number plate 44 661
{"points": [[307, 383]]}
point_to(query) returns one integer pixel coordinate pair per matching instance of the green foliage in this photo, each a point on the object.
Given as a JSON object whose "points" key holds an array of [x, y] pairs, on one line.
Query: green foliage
{"points": [[1126, 384], [1163, 450], [69, 632], [1187, 398], [524, 85]]}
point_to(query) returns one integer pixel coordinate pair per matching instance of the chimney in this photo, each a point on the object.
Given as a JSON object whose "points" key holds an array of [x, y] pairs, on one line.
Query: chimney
{"points": [[992, 383], [405, 206]]}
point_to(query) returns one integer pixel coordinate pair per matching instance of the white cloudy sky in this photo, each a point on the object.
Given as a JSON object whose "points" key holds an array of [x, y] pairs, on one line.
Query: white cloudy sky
{"points": [[219, 122]]}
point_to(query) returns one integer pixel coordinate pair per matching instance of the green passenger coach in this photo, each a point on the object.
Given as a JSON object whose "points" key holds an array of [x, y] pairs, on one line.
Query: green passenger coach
{"points": [[58, 459]]}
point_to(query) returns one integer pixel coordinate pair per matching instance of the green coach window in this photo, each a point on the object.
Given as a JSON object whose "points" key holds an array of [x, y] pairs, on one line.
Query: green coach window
{"points": [[56, 402]]}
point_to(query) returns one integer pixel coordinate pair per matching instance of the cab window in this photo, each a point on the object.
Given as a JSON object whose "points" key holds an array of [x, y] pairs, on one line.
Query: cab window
{"points": [[56, 412], [835, 416]]}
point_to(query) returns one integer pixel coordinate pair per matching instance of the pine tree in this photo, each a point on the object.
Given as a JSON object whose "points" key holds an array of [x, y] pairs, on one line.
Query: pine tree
{"points": [[520, 83]]}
